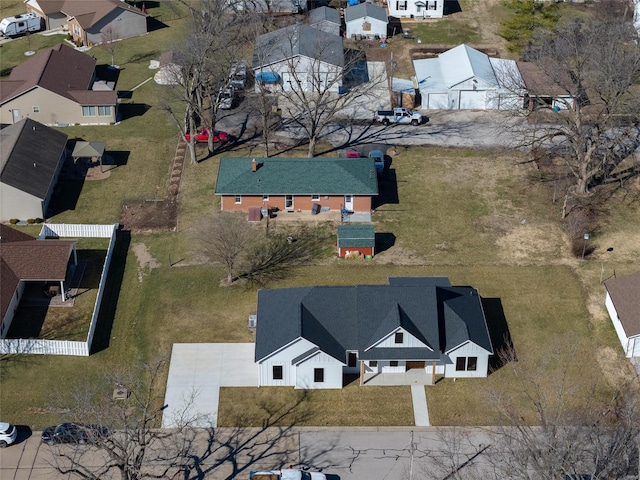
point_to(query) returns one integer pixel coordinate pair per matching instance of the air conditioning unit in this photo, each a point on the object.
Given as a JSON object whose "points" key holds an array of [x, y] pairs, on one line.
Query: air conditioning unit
{"points": [[253, 321]]}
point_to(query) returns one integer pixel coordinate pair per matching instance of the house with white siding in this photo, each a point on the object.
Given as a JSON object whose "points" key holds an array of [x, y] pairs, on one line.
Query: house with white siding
{"points": [[366, 19], [623, 304], [464, 78], [310, 337], [416, 8]]}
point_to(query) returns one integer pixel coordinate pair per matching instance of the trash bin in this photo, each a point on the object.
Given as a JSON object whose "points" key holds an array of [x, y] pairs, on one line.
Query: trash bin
{"points": [[264, 211], [315, 209]]}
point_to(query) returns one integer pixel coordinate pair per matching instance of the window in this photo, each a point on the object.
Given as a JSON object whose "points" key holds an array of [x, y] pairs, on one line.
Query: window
{"points": [[393, 363], [237, 199], [373, 363], [318, 375], [352, 359], [399, 338], [104, 111], [89, 111], [432, 5], [265, 198], [315, 198], [76, 30], [277, 372], [466, 364], [36, 109], [401, 5]]}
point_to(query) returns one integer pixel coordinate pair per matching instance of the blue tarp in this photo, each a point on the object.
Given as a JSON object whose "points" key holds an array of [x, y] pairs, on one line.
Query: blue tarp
{"points": [[268, 77], [353, 2]]}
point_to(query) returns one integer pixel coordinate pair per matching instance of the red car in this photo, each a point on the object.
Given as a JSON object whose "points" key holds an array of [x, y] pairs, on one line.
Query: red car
{"points": [[203, 136]]}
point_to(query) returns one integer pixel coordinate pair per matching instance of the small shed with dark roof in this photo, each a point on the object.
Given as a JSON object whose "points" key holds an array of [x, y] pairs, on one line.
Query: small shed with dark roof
{"points": [[310, 337], [31, 158], [356, 240], [623, 304]]}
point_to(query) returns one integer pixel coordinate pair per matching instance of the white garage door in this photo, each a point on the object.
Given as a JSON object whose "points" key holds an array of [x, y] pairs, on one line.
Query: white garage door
{"points": [[438, 101], [472, 99]]}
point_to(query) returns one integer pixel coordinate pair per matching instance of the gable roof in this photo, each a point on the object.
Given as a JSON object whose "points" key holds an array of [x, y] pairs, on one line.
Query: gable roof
{"points": [[60, 69], [365, 10], [625, 295], [297, 176], [324, 14], [86, 12], [356, 236], [30, 156], [24, 258], [337, 319], [296, 40]]}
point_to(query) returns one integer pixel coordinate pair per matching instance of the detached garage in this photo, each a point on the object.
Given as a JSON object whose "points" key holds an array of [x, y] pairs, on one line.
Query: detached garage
{"points": [[464, 78], [356, 239]]}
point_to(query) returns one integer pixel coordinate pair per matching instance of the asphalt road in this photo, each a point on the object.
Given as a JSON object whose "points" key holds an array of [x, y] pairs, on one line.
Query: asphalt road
{"points": [[343, 454]]}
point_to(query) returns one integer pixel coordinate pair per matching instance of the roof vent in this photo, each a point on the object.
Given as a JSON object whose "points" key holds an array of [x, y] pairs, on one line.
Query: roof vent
{"points": [[253, 321]]}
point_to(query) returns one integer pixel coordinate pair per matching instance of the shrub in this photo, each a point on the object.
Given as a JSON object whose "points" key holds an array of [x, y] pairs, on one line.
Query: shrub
{"points": [[39, 220], [31, 221], [13, 221]]}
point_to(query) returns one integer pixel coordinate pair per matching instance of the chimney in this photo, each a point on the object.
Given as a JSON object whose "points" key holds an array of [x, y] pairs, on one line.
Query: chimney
{"points": [[254, 165]]}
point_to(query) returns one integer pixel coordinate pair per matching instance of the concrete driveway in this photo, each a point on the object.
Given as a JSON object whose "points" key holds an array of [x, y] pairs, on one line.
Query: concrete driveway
{"points": [[196, 373]]}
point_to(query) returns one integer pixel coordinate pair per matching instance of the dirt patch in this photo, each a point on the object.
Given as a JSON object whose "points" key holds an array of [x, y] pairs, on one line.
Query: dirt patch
{"points": [[148, 216], [144, 258], [527, 241], [398, 255]]}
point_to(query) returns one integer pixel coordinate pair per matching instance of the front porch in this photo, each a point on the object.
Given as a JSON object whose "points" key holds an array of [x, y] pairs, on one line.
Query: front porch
{"points": [[414, 376]]}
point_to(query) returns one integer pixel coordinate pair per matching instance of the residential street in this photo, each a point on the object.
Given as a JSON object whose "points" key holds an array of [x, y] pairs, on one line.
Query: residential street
{"points": [[345, 453]]}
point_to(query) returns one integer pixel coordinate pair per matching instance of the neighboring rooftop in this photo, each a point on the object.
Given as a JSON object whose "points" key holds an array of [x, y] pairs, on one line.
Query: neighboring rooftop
{"points": [[365, 10], [625, 294]]}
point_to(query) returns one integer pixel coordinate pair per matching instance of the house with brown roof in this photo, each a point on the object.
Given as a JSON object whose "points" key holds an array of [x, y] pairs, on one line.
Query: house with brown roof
{"points": [[543, 90], [56, 87], [623, 304], [31, 158], [91, 21], [24, 259]]}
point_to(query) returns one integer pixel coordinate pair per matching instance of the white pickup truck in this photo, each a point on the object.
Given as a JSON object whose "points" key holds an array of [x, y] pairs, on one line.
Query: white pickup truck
{"points": [[286, 474], [399, 115]]}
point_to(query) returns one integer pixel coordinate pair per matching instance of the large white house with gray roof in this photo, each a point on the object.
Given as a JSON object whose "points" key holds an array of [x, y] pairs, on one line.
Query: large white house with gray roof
{"points": [[299, 58], [464, 78], [310, 337]]}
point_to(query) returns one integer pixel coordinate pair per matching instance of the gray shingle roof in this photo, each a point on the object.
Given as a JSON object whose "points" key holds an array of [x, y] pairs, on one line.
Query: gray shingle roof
{"points": [[29, 156], [296, 40], [297, 176], [337, 319], [365, 10], [324, 14]]}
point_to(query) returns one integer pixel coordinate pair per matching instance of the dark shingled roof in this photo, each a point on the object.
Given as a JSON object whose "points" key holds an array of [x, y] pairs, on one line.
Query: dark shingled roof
{"points": [[296, 40], [322, 14], [60, 69], [625, 294], [29, 156], [365, 10], [87, 12], [337, 319], [24, 258], [297, 176]]}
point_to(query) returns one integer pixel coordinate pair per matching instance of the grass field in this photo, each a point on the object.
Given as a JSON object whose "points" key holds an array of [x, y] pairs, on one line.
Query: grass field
{"points": [[475, 216]]}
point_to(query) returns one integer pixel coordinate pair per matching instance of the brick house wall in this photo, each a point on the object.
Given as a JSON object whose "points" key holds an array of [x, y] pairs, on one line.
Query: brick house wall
{"points": [[300, 202]]}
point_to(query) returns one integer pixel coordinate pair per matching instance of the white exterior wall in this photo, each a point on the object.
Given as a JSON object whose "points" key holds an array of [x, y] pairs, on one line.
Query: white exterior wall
{"points": [[468, 349], [283, 357], [15, 203], [332, 372], [416, 8], [631, 345], [355, 27], [304, 71], [408, 340], [13, 305]]}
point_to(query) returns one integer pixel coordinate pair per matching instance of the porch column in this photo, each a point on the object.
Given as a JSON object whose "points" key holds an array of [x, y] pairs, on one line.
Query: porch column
{"points": [[433, 373], [64, 296], [361, 373]]}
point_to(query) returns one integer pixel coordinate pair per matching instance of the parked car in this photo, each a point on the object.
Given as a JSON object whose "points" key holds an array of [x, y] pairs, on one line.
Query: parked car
{"points": [[351, 153], [227, 98], [238, 75], [399, 115], [378, 158], [203, 136], [286, 474], [8, 434], [73, 433]]}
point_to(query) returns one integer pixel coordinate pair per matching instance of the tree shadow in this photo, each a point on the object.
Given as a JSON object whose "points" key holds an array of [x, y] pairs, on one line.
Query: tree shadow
{"points": [[106, 314], [498, 333], [384, 241]]}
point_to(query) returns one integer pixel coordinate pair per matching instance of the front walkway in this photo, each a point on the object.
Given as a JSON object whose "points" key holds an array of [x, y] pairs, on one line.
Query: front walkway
{"points": [[420, 409]]}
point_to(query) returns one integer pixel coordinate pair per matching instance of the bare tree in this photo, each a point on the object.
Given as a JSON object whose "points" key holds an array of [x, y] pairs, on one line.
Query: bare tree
{"points": [[318, 81], [124, 434], [109, 39], [556, 428], [584, 110], [226, 239]]}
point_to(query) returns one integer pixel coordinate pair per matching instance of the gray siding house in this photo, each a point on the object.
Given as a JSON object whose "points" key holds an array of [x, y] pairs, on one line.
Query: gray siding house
{"points": [[310, 337], [31, 158]]}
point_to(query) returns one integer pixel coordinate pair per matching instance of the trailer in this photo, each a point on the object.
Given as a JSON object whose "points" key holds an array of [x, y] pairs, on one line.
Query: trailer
{"points": [[19, 24]]}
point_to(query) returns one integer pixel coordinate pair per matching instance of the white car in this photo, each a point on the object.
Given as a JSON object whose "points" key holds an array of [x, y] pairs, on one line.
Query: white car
{"points": [[8, 434]]}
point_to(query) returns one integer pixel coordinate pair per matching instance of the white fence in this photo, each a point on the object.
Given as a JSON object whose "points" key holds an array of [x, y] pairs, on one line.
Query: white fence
{"points": [[67, 347]]}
